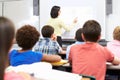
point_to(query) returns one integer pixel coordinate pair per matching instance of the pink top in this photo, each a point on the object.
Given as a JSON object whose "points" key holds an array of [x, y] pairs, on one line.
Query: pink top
{"points": [[90, 59], [114, 47], [12, 76]]}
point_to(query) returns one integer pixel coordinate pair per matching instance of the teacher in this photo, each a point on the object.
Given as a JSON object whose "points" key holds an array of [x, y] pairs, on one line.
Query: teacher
{"points": [[58, 24]]}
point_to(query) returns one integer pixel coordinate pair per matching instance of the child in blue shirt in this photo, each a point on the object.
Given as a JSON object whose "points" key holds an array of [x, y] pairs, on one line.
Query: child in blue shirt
{"points": [[79, 40], [26, 38]]}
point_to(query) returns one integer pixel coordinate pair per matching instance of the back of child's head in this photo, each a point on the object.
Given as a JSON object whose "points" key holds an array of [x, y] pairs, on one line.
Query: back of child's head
{"points": [[27, 36], [78, 35], [47, 31], [116, 33], [91, 31]]}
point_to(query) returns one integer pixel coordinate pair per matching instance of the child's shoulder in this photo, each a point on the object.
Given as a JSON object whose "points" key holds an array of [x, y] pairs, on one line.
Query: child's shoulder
{"points": [[13, 51], [76, 46]]}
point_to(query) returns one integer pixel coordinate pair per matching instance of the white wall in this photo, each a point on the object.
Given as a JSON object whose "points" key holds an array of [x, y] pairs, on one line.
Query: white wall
{"points": [[21, 12], [0, 8], [45, 6], [113, 20]]}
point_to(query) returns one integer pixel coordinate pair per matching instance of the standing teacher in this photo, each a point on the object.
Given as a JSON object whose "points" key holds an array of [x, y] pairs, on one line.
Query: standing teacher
{"points": [[58, 24]]}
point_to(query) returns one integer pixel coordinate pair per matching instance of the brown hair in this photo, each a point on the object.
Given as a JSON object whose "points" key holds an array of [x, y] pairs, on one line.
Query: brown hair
{"points": [[7, 32], [47, 31], [91, 30], [78, 35], [116, 33], [27, 36]]}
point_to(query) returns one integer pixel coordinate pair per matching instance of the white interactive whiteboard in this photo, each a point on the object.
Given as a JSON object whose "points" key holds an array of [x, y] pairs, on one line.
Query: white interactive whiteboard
{"points": [[83, 9], [82, 13]]}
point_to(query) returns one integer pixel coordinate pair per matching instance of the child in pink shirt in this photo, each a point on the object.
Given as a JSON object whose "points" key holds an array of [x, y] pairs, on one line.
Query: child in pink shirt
{"points": [[17, 76], [114, 45], [90, 58]]}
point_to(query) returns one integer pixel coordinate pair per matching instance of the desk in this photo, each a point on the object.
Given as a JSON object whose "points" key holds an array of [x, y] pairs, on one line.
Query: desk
{"points": [[44, 71], [111, 69]]}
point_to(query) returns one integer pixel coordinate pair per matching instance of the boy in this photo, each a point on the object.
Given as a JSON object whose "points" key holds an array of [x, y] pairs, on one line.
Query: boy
{"points": [[26, 38], [79, 40], [48, 45], [90, 58]]}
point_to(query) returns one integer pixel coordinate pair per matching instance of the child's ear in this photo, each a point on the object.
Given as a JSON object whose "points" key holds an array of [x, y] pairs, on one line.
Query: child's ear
{"points": [[83, 36], [53, 37], [99, 37]]}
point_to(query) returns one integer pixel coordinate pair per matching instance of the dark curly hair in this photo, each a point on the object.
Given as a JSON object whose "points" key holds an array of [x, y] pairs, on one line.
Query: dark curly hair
{"points": [[27, 36]]}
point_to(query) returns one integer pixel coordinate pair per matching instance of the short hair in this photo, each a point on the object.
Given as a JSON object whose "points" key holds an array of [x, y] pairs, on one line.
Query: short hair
{"points": [[116, 33], [91, 30], [47, 31], [78, 35], [54, 11], [27, 36]]}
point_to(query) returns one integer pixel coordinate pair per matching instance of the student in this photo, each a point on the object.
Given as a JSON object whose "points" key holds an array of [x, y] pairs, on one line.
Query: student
{"points": [[114, 46], [79, 40], [48, 45], [90, 58], [58, 24], [7, 33], [26, 38]]}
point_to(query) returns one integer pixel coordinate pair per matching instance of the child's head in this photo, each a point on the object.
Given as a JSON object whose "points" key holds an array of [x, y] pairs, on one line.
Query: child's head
{"points": [[47, 31], [78, 35], [27, 36], [91, 31], [7, 33], [116, 33]]}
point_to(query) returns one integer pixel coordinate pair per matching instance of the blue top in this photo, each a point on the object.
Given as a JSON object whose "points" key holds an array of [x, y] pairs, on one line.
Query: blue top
{"points": [[68, 48], [47, 46], [27, 57]]}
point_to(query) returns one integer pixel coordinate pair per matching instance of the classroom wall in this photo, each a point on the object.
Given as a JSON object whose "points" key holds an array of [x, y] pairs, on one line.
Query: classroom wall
{"points": [[20, 12], [0, 9], [113, 20], [45, 7], [16, 13]]}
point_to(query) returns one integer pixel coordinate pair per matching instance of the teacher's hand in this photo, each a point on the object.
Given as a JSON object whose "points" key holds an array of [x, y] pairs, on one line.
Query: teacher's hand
{"points": [[75, 20]]}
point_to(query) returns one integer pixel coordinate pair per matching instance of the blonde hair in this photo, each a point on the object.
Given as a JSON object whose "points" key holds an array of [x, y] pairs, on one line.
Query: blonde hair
{"points": [[116, 33]]}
